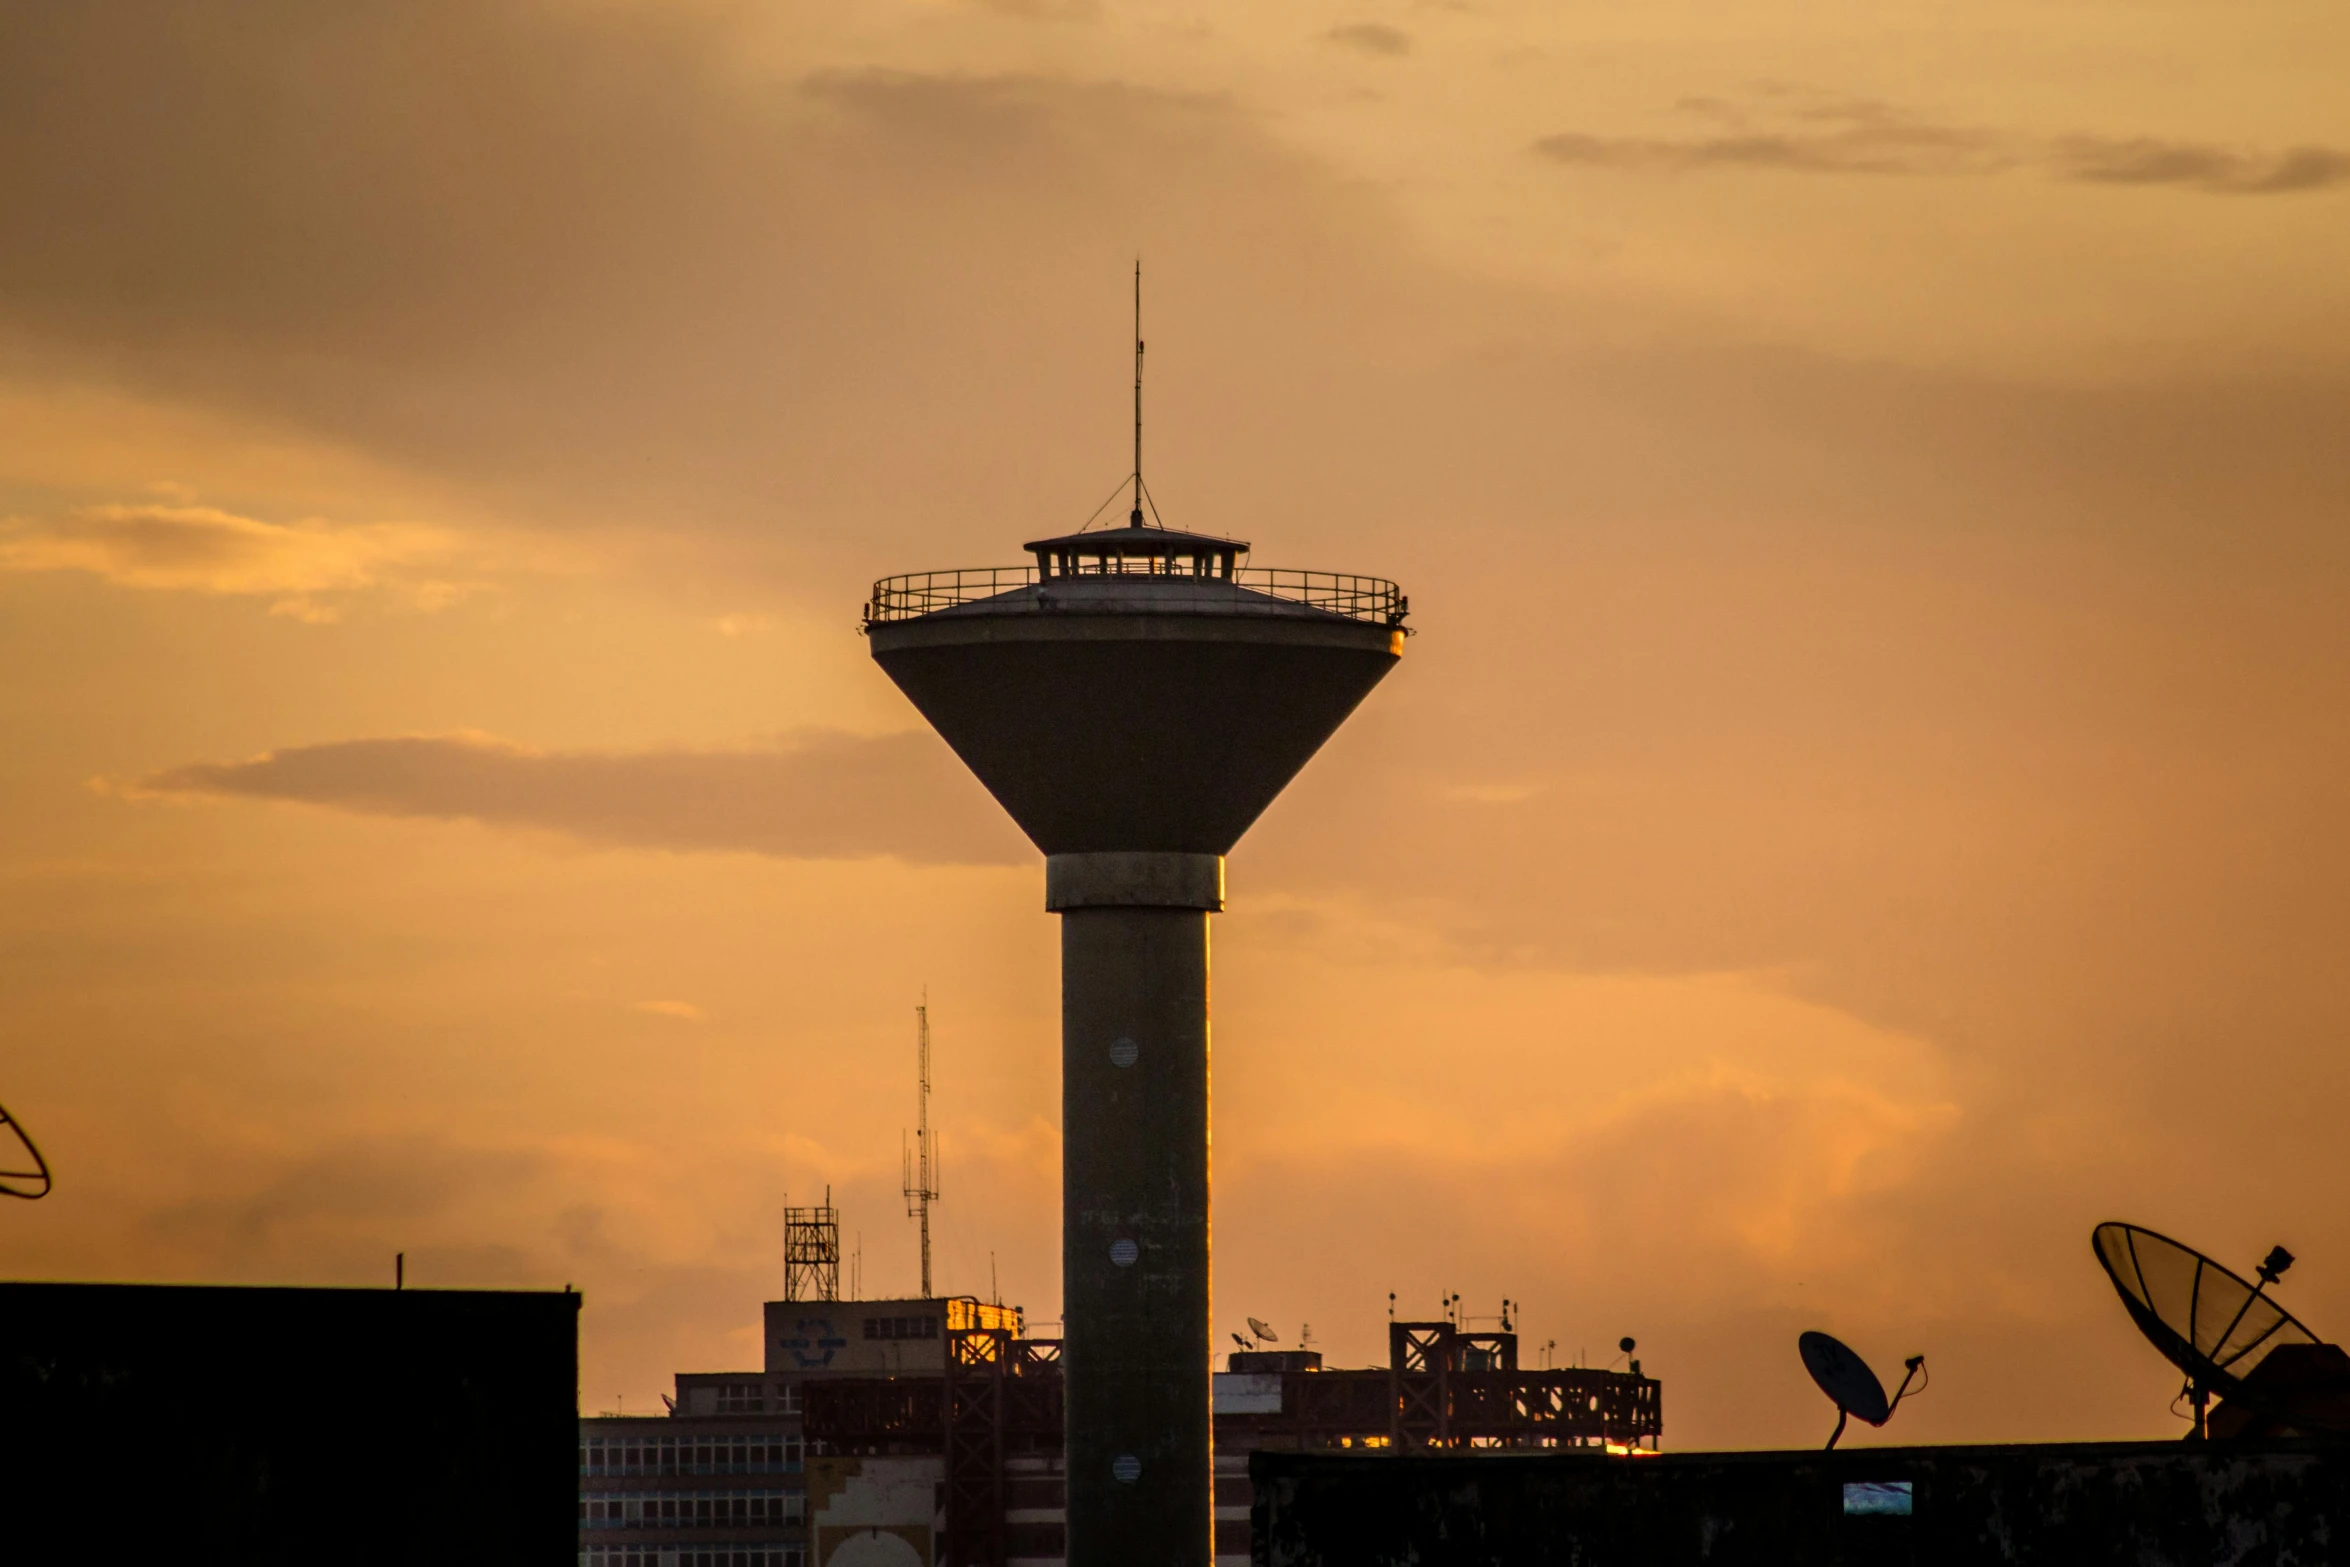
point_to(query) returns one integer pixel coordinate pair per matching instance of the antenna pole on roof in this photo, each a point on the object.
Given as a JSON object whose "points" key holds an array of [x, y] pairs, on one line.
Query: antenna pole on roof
{"points": [[921, 1160], [1136, 519]]}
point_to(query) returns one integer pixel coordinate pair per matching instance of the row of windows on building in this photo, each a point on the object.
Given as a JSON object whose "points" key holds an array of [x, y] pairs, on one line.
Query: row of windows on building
{"points": [[694, 1556], [901, 1327], [750, 1398], [690, 1509], [704, 1454]]}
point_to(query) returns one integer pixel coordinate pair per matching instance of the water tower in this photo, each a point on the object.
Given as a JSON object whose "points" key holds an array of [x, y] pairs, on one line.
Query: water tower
{"points": [[1135, 699]]}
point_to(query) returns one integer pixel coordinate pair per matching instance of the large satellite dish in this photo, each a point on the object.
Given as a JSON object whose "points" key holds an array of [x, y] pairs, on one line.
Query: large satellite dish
{"points": [[1264, 1334], [1849, 1383], [2206, 1321], [23, 1172]]}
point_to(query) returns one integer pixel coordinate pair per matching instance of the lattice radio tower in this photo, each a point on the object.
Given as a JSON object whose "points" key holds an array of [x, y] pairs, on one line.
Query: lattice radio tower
{"points": [[919, 1158], [811, 1252]]}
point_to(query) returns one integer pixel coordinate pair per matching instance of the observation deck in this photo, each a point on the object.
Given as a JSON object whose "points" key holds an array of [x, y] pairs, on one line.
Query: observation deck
{"points": [[1126, 571], [1135, 689]]}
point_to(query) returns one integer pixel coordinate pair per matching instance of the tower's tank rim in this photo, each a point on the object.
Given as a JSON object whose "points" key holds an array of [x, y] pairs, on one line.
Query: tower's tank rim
{"points": [[1258, 594], [957, 628]]}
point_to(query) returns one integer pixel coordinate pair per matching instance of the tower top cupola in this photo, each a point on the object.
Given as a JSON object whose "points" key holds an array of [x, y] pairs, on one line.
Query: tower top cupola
{"points": [[1138, 552]]}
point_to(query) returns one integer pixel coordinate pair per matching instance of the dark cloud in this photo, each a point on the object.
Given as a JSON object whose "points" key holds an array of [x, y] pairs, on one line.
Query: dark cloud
{"points": [[826, 796], [1372, 38], [1814, 133], [359, 1181], [1921, 151], [1829, 134], [2225, 171], [595, 255]]}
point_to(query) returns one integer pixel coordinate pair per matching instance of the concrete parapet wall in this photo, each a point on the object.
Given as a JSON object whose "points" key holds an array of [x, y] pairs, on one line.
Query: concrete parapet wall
{"points": [[2277, 1504]]}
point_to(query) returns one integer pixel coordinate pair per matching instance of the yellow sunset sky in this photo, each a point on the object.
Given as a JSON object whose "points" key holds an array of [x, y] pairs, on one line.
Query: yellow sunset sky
{"points": [[1865, 802]]}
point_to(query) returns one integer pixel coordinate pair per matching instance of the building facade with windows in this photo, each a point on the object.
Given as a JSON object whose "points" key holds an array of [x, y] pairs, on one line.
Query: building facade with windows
{"points": [[728, 1478], [659, 1491]]}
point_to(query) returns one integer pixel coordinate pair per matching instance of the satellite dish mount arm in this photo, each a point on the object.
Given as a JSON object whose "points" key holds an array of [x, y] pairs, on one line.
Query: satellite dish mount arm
{"points": [[1910, 1370], [1842, 1415]]}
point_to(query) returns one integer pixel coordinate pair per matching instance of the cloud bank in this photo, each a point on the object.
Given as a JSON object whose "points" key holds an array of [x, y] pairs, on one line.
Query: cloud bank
{"points": [[822, 796], [1833, 134], [2146, 160]]}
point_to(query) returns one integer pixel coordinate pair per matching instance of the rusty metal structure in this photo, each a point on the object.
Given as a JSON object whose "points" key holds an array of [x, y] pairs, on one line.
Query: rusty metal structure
{"points": [[999, 1402], [1002, 1401], [998, 1410], [811, 1251], [1447, 1389]]}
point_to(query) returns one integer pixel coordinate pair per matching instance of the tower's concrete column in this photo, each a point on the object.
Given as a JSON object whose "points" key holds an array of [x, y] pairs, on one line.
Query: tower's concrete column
{"points": [[1134, 1204]]}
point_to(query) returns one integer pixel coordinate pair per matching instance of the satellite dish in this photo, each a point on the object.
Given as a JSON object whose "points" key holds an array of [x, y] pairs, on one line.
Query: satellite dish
{"points": [[23, 1172], [2205, 1320], [1263, 1332], [1849, 1383], [1243, 1343]]}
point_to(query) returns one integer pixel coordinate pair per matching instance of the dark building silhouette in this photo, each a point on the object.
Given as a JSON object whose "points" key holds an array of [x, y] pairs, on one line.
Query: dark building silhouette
{"points": [[2085, 1504], [199, 1424]]}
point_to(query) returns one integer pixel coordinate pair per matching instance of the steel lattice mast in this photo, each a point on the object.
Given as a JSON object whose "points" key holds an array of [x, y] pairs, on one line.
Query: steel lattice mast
{"points": [[921, 1173]]}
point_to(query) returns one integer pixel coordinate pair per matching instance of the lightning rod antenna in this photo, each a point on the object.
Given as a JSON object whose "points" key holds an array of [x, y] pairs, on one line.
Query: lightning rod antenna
{"points": [[1136, 519]]}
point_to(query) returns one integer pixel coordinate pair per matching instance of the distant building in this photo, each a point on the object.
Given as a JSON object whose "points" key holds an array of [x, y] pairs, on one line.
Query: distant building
{"points": [[728, 1478], [721, 1491], [914, 1433]]}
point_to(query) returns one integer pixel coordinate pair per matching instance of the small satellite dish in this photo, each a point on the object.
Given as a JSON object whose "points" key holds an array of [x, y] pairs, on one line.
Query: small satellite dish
{"points": [[1263, 1332], [1243, 1343], [1627, 1344], [23, 1172], [2205, 1320], [1849, 1383]]}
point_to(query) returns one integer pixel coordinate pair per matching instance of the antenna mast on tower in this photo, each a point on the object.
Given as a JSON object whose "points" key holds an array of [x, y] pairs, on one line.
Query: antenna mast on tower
{"points": [[1137, 517], [921, 1177]]}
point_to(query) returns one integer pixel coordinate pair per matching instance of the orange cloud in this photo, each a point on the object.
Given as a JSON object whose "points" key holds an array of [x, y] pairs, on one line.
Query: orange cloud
{"points": [[821, 796], [202, 549]]}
